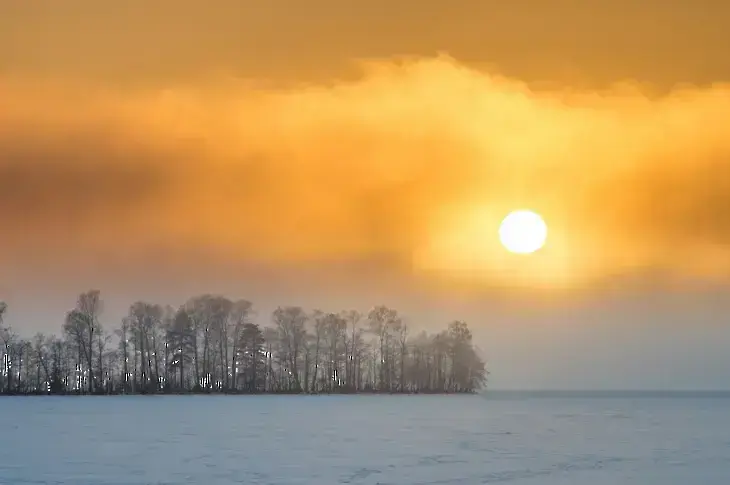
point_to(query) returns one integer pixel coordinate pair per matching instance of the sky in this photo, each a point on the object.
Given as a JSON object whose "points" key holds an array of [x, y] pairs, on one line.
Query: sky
{"points": [[339, 155]]}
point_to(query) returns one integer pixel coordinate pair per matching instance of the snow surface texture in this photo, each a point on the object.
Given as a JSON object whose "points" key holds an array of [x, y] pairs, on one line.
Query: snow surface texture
{"points": [[399, 440]]}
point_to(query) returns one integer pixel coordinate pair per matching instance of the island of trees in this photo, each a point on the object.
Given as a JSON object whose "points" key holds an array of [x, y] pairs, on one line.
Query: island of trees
{"points": [[211, 345]]}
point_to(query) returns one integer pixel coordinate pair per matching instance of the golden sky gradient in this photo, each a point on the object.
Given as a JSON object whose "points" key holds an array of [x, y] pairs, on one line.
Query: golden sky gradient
{"points": [[412, 166], [385, 135]]}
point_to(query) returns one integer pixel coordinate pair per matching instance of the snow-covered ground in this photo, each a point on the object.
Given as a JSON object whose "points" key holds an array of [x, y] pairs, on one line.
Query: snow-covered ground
{"points": [[399, 440]]}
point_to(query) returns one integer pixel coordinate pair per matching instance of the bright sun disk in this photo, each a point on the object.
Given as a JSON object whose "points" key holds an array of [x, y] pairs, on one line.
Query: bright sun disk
{"points": [[523, 232]]}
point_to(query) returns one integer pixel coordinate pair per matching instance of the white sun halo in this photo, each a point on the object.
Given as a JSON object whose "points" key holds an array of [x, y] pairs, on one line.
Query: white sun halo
{"points": [[523, 232]]}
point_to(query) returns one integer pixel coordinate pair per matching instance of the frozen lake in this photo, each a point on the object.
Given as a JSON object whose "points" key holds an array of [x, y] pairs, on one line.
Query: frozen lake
{"points": [[399, 440]]}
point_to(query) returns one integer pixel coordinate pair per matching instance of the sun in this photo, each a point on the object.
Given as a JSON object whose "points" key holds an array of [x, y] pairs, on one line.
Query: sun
{"points": [[523, 232]]}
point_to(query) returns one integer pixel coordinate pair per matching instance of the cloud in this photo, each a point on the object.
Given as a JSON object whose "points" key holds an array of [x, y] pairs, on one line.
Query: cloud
{"points": [[410, 167]]}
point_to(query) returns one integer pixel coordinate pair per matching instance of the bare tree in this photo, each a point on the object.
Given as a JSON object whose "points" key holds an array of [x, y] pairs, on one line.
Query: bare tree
{"points": [[335, 328], [253, 357], [181, 338], [403, 341], [290, 324], [82, 324], [7, 338], [59, 366], [239, 316], [459, 341], [319, 319], [41, 351], [219, 316], [123, 333], [383, 322], [207, 314], [272, 347], [354, 348], [145, 319], [21, 350], [102, 341]]}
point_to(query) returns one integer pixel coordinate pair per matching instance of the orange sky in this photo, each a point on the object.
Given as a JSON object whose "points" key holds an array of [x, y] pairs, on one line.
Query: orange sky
{"points": [[367, 145], [414, 165]]}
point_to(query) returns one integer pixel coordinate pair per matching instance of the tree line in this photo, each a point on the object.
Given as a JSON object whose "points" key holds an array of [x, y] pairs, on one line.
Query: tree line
{"points": [[211, 344]]}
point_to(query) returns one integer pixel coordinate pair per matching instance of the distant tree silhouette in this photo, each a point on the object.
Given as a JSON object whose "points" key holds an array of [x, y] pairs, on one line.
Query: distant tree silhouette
{"points": [[252, 359], [180, 338], [211, 344], [81, 327], [8, 341]]}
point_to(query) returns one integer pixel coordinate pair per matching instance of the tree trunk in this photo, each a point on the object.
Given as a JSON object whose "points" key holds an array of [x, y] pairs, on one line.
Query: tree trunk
{"points": [[157, 362], [90, 358]]}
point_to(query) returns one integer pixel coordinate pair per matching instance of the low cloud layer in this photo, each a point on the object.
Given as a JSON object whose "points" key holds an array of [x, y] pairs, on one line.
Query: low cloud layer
{"points": [[410, 168]]}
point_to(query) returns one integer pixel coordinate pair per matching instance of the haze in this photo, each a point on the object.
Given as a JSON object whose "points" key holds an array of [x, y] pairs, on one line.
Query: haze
{"points": [[337, 156]]}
